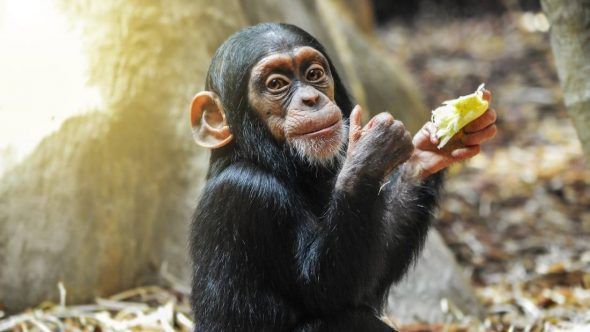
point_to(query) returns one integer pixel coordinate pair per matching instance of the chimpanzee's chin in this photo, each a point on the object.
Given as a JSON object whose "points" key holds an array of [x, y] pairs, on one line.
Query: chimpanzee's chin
{"points": [[326, 151]]}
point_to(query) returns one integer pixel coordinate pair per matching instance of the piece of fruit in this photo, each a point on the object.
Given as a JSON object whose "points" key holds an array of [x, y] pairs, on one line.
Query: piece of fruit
{"points": [[455, 114]]}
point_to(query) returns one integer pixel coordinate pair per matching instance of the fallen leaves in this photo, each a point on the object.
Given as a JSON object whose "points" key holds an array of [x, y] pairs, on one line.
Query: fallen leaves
{"points": [[141, 309]]}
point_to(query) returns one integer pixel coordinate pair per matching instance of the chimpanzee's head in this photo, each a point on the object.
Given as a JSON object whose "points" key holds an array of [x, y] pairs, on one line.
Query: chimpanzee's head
{"points": [[272, 82]]}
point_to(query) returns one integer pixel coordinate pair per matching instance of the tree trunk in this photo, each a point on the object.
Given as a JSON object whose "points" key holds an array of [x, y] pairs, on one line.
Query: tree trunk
{"points": [[101, 204], [570, 39]]}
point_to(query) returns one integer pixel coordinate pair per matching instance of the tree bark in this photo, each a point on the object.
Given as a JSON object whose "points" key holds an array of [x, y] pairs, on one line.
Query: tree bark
{"points": [[570, 40], [102, 203]]}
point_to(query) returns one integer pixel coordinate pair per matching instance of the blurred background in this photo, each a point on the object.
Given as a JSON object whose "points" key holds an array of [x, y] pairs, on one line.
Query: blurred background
{"points": [[99, 174]]}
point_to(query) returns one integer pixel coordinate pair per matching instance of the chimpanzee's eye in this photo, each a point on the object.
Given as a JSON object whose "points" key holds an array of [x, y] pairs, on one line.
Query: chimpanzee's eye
{"points": [[276, 84], [315, 74]]}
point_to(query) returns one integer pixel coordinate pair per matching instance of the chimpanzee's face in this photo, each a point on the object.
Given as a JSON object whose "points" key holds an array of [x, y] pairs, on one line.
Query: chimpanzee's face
{"points": [[293, 92]]}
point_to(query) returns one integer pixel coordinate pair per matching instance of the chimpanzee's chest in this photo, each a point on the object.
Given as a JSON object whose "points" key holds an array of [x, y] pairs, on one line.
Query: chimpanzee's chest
{"points": [[316, 191]]}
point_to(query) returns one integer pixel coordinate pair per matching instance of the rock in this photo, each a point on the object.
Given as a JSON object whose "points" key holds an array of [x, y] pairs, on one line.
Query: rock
{"points": [[436, 278]]}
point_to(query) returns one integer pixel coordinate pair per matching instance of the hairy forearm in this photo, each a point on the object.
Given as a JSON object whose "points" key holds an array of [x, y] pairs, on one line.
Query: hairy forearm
{"points": [[346, 242], [409, 204]]}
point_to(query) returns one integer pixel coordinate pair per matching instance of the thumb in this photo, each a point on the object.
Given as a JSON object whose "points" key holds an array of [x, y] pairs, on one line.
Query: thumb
{"points": [[354, 131], [426, 138]]}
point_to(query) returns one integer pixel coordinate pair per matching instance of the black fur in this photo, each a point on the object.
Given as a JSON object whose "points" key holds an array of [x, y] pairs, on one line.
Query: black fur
{"points": [[275, 246]]}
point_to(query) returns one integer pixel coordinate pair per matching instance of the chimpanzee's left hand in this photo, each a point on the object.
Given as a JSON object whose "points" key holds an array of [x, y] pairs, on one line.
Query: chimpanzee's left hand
{"points": [[427, 159]]}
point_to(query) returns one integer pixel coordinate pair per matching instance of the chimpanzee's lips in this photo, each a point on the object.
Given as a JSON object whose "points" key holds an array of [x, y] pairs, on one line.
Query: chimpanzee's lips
{"points": [[328, 130]]}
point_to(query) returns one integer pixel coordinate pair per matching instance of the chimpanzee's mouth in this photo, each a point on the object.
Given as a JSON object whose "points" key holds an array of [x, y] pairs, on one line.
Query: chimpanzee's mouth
{"points": [[329, 130]]}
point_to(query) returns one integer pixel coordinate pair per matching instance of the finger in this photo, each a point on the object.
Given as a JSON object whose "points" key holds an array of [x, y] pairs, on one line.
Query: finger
{"points": [[426, 137], [466, 152], [356, 116], [486, 119], [382, 119], [479, 137], [431, 129], [487, 95]]}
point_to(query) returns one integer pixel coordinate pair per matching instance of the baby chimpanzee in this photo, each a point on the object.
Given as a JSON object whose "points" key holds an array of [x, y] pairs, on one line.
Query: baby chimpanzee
{"points": [[307, 217]]}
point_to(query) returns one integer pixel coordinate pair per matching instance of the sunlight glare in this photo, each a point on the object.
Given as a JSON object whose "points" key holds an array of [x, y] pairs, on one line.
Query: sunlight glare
{"points": [[43, 74]]}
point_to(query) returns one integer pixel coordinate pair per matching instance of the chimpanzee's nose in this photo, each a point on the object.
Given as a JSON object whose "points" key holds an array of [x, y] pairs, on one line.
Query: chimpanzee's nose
{"points": [[310, 97]]}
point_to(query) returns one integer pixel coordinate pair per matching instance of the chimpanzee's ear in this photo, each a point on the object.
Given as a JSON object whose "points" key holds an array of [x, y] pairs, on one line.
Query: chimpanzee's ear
{"points": [[210, 129]]}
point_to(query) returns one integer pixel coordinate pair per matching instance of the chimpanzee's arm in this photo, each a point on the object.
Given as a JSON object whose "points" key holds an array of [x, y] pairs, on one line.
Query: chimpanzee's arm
{"points": [[338, 252], [241, 246], [406, 209]]}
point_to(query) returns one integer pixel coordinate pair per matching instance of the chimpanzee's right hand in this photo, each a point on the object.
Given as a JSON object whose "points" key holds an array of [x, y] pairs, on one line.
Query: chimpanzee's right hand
{"points": [[375, 149]]}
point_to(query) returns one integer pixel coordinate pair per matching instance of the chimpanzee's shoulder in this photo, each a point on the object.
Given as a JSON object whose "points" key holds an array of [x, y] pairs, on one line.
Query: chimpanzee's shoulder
{"points": [[248, 181]]}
